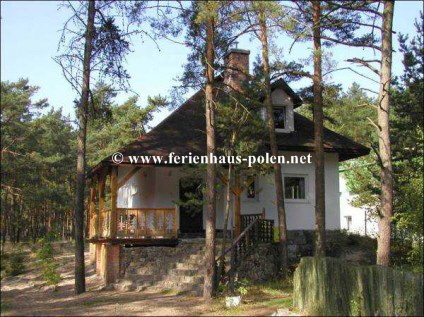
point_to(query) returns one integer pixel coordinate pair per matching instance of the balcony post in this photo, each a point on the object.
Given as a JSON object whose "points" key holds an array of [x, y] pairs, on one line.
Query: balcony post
{"points": [[92, 210], [101, 193], [114, 201], [91, 219]]}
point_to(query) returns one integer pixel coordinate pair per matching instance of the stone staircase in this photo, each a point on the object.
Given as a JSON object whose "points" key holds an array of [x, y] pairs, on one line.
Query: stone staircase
{"points": [[179, 268]]}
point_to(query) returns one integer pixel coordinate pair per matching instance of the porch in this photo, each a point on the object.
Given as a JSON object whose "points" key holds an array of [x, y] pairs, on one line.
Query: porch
{"points": [[109, 223], [129, 205]]}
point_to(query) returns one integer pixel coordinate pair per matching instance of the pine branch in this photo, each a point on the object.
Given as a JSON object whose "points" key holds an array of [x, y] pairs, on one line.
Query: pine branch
{"points": [[366, 63], [351, 69], [352, 44]]}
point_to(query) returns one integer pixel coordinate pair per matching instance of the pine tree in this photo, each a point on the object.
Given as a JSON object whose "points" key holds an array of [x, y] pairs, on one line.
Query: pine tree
{"points": [[318, 133], [95, 46], [258, 16], [385, 153]]}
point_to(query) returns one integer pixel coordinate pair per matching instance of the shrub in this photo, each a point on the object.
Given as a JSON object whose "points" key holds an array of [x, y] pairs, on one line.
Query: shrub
{"points": [[46, 255], [50, 275], [14, 263], [46, 250]]}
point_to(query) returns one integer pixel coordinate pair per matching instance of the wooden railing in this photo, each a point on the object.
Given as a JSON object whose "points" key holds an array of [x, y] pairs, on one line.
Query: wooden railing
{"points": [[246, 220], [147, 223], [257, 231]]}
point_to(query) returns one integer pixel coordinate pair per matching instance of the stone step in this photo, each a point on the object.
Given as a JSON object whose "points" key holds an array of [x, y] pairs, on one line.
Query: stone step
{"points": [[192, 258], [198, 261], [192, 284], [186, 271], [189, 266], [179, 285], [180, 268], [174, 268], [151, 279]]}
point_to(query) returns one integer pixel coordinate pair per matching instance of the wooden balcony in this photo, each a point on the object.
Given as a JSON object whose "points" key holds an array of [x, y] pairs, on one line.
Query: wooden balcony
{"points": [[139, 226], [147, 223], [133, 226]]}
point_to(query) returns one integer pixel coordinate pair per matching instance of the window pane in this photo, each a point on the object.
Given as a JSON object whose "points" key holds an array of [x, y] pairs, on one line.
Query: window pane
{"points": [[294, 188], [251, 189], [280, 117]]}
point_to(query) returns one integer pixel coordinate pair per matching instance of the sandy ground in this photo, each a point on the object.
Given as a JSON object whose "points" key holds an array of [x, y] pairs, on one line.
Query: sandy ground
{"points": [[26, 295]]}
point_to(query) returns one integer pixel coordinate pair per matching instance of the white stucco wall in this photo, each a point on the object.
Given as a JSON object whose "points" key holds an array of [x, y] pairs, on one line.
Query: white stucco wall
{"points": [[361, 221], [300, 215], [158, 187]]}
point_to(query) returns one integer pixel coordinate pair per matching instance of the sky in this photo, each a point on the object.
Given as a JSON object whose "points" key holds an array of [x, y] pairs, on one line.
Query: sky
{"points": [[30, 32]]}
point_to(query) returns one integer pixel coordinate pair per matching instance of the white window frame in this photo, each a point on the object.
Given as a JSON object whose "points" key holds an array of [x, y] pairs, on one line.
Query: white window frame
{"points": [[286, 121], [289, 120], [300, 200]]}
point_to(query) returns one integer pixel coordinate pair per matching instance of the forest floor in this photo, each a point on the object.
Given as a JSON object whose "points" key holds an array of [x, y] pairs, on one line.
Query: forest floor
{"points": [[27, 295]]}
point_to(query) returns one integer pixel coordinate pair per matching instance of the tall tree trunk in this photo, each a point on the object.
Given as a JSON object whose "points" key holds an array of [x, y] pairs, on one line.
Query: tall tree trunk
{"points": [[14, 216], [386, 208], [226, 217], [278, 178], [81, 142], [211, 168], [318, 135]]}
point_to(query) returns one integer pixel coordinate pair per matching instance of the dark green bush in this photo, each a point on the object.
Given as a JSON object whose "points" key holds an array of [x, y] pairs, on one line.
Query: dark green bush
{"points": [[46, 255], [46, 250], [50, 274], [14, 262]]}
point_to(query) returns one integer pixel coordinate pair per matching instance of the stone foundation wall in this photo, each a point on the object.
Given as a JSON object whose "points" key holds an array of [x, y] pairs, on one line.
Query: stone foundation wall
{"points": [[179, 268], [263, 263]]}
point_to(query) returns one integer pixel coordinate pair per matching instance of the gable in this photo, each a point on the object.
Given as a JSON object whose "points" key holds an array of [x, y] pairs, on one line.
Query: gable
{"points": [[280, 98]]}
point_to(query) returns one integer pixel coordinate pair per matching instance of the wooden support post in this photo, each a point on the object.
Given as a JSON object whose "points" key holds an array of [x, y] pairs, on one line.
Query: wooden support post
{"points": [[91, 224], [101, 193], [175, 223], [263, 213], [237, 207], [96, 210], [113, 201], [92, 211]]}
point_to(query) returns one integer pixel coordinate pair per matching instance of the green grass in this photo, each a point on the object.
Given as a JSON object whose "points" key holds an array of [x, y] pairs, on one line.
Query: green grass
{"points": [[170, 291], [279, 303], [271, 295], [239, 310], [4, 307]]}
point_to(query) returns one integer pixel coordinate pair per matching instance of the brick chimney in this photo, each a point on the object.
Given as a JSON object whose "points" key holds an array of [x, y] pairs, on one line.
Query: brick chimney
{"points": [[237, 63]]}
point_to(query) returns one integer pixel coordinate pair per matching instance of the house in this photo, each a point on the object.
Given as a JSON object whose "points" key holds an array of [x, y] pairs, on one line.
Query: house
{"points": [[357, 220], [136, 203]]}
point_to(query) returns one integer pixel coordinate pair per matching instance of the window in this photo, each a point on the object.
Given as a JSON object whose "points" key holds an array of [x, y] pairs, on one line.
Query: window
{"points": [[251, 188], [348, 222], [295, 187], [280, 117]]}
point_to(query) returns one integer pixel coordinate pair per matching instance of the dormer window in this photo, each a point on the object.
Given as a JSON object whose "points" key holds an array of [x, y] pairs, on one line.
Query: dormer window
{"points": [[280, 117]]}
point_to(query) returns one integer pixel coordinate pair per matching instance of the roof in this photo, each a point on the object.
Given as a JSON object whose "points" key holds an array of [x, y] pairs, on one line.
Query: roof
{"points": [[280, 83], [183, 132]]}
